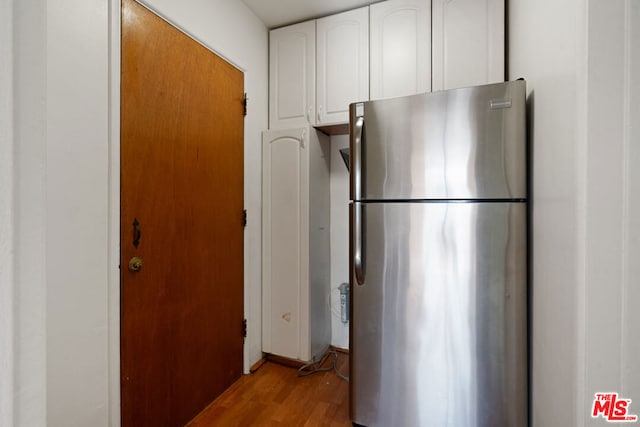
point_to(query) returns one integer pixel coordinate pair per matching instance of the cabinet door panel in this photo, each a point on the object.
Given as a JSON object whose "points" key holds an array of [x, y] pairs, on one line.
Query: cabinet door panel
{"points": [[292, 75], [468, 43], [284, 249], [296, 318], [400, 32], [343, 64]]}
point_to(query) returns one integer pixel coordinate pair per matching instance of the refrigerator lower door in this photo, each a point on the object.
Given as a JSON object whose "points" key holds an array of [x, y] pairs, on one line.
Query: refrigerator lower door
{"points": [[438, 332]]}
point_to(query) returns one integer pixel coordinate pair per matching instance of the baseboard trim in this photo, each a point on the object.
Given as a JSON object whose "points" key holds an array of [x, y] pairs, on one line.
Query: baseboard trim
{"points": [[293, 363], [258, 364], [281, 360], [339, 349]]}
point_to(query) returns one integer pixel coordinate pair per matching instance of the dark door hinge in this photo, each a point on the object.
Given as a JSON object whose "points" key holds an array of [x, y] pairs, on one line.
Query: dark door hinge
{"points": [[244, 328], [244, 217], [244, 104]]}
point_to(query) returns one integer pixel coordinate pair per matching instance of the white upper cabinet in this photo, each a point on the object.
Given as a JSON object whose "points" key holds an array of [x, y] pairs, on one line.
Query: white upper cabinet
{"points": [[468, 43], [400, 37], [292, 82], [391, 48], [342, 43]]}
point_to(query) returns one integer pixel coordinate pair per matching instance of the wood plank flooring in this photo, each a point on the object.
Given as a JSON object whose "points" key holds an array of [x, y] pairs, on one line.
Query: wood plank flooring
{"points": [[276, 396]]}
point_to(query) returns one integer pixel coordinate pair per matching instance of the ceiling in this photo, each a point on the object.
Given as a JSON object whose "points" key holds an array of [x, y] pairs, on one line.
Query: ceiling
{"points": [[277, 13]]}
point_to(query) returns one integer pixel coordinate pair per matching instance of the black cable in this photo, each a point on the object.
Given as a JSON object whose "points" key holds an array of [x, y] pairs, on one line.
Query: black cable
{"points": [[314, 367]]}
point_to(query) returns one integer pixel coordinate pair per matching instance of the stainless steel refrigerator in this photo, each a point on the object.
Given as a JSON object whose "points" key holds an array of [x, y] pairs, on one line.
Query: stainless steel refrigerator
{"points": [[438, 250]]}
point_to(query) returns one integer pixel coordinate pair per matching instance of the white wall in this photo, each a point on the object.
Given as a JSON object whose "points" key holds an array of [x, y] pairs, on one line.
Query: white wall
{"points": [[612, 232], [58, 210], [30, 290], [77, 190], [584, 232], [631, 295], [6, 213], [546, 47], [339, 177]]}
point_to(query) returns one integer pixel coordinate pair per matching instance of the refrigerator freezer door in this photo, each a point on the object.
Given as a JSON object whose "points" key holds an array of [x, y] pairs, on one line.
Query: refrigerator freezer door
{"points": [[457, 144], [438, 334]]}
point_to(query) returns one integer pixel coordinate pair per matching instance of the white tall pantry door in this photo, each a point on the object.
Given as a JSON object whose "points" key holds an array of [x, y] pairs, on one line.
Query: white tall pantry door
{"points": [[295, 243]]}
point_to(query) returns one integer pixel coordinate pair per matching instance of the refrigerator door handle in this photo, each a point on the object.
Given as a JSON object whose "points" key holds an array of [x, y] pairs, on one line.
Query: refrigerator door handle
{"points": [[356, 156], [358, 240]]}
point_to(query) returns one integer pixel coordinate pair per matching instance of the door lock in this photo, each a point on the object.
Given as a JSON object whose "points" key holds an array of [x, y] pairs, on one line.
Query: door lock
{"points": [[135, 264]]}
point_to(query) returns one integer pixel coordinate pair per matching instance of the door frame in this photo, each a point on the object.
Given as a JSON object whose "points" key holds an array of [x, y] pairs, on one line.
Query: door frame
{"points": [[113, 269]]}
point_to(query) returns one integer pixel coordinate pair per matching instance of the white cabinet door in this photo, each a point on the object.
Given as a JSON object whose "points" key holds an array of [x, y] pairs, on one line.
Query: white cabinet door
{"points": [[468, 43], [292, 54], [342, 43], [284, 217], [400, 38], [295, 243]]}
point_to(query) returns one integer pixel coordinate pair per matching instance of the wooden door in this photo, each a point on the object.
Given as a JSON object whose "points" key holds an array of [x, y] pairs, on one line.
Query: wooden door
{"points": [[182, 184]]}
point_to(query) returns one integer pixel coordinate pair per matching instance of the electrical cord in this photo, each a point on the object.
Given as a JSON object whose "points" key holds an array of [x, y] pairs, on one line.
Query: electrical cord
{"points": [[314, 367]]}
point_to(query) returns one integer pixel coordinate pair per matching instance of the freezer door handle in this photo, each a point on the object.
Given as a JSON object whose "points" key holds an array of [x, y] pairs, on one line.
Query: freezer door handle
{"points": [[356, 156], [358, 243]]}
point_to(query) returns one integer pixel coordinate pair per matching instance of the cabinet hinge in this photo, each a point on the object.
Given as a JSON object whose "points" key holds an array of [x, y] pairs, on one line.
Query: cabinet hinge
{"points": [[244, 104], [244, 217], [244, 328]]}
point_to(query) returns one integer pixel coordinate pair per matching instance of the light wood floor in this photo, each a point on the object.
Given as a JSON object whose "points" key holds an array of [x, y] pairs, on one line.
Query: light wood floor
{"points": [[276, 396]]}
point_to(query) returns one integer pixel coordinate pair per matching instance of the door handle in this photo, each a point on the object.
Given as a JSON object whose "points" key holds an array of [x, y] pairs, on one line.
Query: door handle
{"points": [[356, 163], [135, 264], [356, 196], [358, 243], [136, 233]]}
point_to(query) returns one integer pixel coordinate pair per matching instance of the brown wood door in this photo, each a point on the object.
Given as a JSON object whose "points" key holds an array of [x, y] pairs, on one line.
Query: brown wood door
{"points": [[182, 182]]}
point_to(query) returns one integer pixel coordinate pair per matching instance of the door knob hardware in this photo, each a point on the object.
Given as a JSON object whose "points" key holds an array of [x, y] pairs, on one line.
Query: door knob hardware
{"points": [[135, 264], [136, 233]]}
